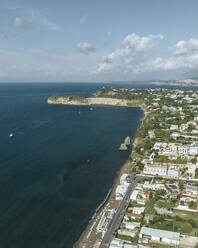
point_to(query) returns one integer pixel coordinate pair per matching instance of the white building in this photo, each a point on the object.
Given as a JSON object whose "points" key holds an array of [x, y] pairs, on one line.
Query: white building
{"points": [[175, 135], [120, 192], [174, 127], [138, 210], [126, 232], [160, 236], [118, 243], [191, 190], [155, 170], [193, 150], [123, 178], [191, 169], [173, 172], [131, 225], [134, 195]]}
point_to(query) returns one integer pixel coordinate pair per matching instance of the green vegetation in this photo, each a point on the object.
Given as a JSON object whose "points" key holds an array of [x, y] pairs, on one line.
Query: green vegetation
{"points": [[127, 238], [54, 98], [77, 98], [181, 221]]}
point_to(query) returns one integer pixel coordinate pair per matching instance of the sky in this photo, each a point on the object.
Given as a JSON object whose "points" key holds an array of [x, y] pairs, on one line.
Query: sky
{"points": [[94, 41]]}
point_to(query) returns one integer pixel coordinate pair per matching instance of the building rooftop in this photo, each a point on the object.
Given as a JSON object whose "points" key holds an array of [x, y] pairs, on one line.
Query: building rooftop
{"points": [[160, 233]]}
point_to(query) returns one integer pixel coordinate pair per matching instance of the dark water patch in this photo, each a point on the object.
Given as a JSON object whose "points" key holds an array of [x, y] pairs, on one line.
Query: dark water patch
{"points": [[59, 166]]}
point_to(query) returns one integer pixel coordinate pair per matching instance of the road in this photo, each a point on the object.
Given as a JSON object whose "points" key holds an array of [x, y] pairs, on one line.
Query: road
{"points": [[117, 218]]}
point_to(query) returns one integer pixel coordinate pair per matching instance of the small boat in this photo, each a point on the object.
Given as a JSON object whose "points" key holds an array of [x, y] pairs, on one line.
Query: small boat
{"points": [[11, 135], [91, 108]]}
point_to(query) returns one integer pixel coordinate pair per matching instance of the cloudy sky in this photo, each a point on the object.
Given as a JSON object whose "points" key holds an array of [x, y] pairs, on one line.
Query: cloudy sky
{"points": [[89, 40]]}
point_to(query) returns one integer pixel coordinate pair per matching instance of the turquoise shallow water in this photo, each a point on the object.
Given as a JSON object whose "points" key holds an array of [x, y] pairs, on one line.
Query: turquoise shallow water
{"points": [[60, 164]]}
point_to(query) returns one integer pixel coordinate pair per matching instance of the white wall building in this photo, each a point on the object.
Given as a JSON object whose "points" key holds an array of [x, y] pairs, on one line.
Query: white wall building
{"points": [[155, 170], [193, 150], [173, 172], [138, 210], [134, 195], [174, 127], [131, 225], [192, 190], [161, 236], [121, 191], [123, 178]]}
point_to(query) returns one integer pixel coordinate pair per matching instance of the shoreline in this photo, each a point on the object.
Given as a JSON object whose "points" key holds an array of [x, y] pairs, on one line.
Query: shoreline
{"points": [[125, 168], [82, 239]]}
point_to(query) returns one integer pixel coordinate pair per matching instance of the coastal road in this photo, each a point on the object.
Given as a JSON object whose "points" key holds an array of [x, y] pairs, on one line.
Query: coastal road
{"points": [[117, 218]]}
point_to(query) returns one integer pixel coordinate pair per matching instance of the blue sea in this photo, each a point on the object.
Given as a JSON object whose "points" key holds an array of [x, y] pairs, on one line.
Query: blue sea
{"points": [[60, 164]]}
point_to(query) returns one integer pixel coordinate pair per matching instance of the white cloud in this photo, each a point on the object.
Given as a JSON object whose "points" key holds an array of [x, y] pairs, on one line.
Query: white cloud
{"points": [[42, 65], [21, 22], [131, 57], [85, 47], [32, 17], [40, 18], [184, 57], [139, 55], [185, 47]]}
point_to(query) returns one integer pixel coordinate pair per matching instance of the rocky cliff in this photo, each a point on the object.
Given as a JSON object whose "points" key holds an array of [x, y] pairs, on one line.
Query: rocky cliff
{"points": [[92, 101]]}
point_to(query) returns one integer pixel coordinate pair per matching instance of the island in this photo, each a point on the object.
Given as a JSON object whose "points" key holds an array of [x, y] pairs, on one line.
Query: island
{"points": [[154, 201]]}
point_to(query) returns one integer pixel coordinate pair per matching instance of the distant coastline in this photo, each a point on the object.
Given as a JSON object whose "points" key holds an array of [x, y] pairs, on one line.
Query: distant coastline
{"points": [[182, 83]]}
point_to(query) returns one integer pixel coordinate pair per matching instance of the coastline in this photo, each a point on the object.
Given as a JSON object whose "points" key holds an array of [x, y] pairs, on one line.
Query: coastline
{"points": [[83, 241], [90, 236]]}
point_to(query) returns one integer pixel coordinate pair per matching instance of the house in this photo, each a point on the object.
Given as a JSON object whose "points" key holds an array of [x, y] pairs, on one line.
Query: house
{"points": [[191, 169], [131, 225], [116, 243], [160, 236], [147, 185], [151, 134], [172, 188], [193, 150], [174, 127], [191, 190], [173, 172], [126, 232], [121, 191], [138, 210], [134, 195], [175, 135], [155, 170], [133, 216], [123, 178]]}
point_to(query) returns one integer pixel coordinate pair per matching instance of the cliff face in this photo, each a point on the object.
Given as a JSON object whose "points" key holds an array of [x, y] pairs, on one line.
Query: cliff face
{"points": [[93, 101]]}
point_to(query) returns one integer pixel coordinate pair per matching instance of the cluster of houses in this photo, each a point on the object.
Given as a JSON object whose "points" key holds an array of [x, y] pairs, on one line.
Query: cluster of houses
{"points": [[174, 150], [172, 171], [136, 212], [188, 196]]}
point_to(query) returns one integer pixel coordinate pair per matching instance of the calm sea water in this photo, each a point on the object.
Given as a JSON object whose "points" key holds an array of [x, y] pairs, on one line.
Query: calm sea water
{"points": [[60, 164]]}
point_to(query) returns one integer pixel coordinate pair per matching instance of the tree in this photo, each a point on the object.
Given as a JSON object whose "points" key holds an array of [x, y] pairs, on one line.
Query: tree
{"points": [[186, 227]]}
